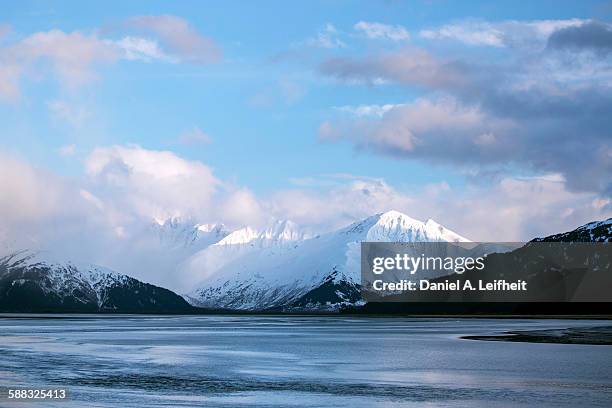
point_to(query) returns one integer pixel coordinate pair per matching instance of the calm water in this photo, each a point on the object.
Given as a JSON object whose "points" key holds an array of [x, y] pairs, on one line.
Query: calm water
{"points": [[299, 361]]}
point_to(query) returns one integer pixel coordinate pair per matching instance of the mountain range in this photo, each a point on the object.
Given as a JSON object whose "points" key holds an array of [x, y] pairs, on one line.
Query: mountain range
{"points": [[279, 268], [284, 271], [30, 282]]}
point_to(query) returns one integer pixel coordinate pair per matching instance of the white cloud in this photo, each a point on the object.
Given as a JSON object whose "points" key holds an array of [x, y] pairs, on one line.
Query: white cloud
{"points": [[142, 49], [29, 194], [368, 110], [415, 128], [72, 55], [149, 183], [530, 110], [72, 58], [382, 31], [328, 37], [336, 204], [500, 34], [179, 38], [242, 207], [503, 211], [106, 216], [522, 208]]}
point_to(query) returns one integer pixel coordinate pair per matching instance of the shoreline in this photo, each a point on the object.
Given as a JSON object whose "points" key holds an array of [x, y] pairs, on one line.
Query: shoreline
{"points": [[54, 315], [597, 335]]}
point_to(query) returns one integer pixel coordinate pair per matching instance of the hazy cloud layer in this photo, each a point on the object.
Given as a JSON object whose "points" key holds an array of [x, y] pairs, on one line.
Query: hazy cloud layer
{"points": [[70, 58], [108, 215]]}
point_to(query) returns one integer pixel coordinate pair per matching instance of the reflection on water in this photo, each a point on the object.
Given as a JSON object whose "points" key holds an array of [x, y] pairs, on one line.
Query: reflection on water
{"points": [[298, 361]]}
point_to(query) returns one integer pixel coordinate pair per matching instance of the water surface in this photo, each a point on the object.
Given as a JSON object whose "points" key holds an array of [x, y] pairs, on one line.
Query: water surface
{"points": [[233, 361]]}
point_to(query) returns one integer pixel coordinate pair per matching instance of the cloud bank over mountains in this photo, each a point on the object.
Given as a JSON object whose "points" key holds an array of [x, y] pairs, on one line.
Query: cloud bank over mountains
{"points": [[123, 188], [517, 111]]}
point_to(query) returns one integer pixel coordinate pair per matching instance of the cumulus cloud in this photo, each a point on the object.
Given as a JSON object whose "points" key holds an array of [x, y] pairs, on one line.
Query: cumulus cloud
{"points": [[507, 207], [326, 208], [442, 130], [379, 31], [107, 215], [541, 112], [179, 38], [155, 184]]}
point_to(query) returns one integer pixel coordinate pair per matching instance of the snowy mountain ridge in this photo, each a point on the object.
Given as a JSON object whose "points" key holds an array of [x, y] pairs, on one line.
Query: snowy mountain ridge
{"points": [[279, 276], [596, 231], [35, 281], [277, 234], [180, 233]]}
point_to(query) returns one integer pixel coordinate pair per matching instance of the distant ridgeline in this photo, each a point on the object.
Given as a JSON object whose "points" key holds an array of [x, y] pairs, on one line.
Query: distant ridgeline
{"points": [[321, 281], [525, 263], [28, 284]]}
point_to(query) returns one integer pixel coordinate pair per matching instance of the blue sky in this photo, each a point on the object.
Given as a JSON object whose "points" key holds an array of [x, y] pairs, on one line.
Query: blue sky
{"points": [[275, 111]]}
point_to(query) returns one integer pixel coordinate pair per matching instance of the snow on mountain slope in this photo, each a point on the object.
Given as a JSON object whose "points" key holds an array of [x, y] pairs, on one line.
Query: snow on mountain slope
{"points": [[299, 273], [36, 281], [154, 250], [177, 233], [597, 231], [277, 234], [239, 243]]}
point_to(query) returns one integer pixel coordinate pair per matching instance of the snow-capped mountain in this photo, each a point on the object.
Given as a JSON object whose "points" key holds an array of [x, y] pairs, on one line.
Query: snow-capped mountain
{"points": [[238, 244], [597, 231], [178, 233], [287, 272], [278, 234], [33, 281], [154, 250], [279, 267]]}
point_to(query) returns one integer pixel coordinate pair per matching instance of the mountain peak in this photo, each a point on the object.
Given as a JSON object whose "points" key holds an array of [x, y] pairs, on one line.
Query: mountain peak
{"points": [[395, 226], [182, 232], [279, 231], [216, 227], [284, 230], [393, 217]]}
